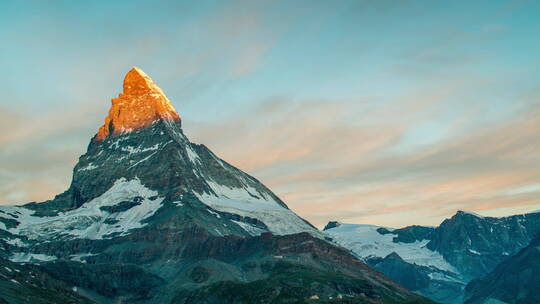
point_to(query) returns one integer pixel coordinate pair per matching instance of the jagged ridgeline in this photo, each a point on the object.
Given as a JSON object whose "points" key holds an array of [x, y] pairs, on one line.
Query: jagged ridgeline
{"points": [[468, 257], [150, 217]]}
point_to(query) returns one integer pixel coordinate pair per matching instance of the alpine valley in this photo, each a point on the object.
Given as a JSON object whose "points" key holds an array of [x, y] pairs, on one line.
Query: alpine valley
{"points": [[151, 217], [469, 258]]}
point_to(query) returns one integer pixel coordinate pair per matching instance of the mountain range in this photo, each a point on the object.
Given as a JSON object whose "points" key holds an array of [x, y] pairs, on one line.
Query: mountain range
{"points": [[150, 217], [467, 258]]}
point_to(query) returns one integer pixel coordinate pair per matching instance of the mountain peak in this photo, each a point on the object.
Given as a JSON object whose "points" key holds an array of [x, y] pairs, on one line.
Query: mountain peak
{"points": [[140, 104], [137, 81], [463, 212]]}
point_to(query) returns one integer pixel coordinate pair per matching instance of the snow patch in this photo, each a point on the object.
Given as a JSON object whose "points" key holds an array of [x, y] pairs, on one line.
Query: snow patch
{"points": [[90, 221], [23, 257], [132, 150], [142, 160], [90, 166], [443, 277], [16, 242], [252, 230], [192, 155], [365, 241], [473, 213], [214, 213], [79, 257], [178, 203], [249, 202]]}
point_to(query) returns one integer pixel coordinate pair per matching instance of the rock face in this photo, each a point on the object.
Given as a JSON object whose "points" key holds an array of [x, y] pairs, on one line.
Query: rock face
{"points": [[463, 248], [150, 217], [476, 244], [140, 105], [514, 281]]}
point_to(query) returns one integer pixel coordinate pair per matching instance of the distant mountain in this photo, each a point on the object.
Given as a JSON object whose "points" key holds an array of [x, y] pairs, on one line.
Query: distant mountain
{"points": [[514, 281], [150, 217], [476, 244], [465, 247], [402, 255]]}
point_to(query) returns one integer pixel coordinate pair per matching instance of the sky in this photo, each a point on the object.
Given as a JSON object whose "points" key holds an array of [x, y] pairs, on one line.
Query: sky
{"points": [[391, 113]]}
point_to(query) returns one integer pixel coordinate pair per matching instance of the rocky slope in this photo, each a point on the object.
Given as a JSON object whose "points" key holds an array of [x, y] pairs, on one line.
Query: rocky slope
{"points": [[465, 247], [476, 244], [150, 217], [29, 284], [514, 281]]}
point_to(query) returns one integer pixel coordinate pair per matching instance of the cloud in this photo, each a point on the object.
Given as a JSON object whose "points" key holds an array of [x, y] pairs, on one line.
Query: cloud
{"points": [[330, 160], [39, 150]]}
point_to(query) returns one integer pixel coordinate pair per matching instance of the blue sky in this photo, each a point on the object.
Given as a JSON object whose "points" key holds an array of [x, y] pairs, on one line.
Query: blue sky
{"points": [[419, 107]]}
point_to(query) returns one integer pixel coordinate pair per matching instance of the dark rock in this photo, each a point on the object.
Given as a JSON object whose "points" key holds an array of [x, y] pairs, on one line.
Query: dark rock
{"points": [[476, 245], [120, 207], [514, 281], [331, 225]]}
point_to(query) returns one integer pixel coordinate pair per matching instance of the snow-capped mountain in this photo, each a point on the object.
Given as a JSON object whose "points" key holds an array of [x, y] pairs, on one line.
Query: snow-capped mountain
{"points": [[445, 258], [139, 161], [403, 255], [151, 217], [476, 244], [375, 241]]}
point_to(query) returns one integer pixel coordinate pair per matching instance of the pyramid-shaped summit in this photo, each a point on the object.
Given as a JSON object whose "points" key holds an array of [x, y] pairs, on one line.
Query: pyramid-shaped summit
{"points": [[142, 144], [150, 217], [140, 105]]}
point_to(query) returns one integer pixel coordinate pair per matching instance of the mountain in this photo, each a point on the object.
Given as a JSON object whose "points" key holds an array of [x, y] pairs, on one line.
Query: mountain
{"points": [[465, 247], [514, 281], [475, 244], [140, 151], [402, 255], [151, 217]]}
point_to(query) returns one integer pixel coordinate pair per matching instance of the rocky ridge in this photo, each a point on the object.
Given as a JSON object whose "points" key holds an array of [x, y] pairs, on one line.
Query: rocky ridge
{"points": [[465, 247]]}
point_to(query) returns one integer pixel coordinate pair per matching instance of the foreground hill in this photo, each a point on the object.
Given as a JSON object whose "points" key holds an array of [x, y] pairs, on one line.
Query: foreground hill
{"points": [[150, 217]]}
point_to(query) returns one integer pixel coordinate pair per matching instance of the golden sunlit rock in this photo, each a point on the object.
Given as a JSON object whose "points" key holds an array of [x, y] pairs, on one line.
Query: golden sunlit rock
{"points": [[140, 105]]}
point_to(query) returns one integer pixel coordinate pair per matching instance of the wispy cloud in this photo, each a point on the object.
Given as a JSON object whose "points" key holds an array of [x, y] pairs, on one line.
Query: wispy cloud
{"points": [[38, 151], [328, 164]]}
